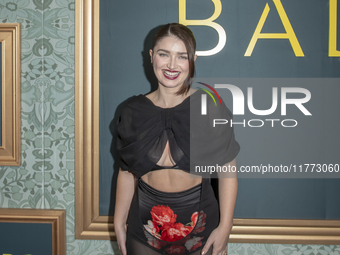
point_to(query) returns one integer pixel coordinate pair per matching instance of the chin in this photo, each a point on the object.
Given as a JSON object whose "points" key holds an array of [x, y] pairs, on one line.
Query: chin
{"points": [[168, 85]]}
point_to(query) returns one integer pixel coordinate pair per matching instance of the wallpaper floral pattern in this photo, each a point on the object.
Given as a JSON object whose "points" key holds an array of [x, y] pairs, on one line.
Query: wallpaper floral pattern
{"points": [[46, 178]]}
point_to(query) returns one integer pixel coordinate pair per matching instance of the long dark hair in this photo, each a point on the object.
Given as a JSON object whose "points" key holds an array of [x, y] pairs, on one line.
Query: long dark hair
{"points": [[185, 34]]}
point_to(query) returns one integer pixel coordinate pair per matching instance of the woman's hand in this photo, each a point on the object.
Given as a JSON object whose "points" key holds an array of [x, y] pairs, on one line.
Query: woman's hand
{"points": [[121, 238], [218, 239]]}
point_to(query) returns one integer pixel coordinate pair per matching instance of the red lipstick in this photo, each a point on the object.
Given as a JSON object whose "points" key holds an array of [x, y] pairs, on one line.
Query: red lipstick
{"points": [[171, 75]]}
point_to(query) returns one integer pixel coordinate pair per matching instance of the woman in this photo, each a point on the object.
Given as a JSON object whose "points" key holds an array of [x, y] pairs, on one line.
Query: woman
{"points": [[169, 212]]}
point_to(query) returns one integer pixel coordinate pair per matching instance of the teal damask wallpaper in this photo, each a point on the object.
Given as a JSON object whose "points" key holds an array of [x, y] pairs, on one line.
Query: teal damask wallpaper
{"points": [[46, 178]]}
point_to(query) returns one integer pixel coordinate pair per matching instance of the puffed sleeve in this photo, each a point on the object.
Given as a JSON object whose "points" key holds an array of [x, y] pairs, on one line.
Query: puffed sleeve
{"points": [[138, 128], [212, 138], [122, 127]]}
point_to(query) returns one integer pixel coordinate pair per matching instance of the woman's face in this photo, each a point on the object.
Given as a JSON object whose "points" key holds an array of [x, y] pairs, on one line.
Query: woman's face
{"points": [[170, 62]]}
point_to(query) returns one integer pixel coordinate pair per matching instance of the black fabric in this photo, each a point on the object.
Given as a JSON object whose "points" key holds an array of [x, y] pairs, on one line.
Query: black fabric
{"points": [[140, 238], [158, 167], [144, 129], [136, 248]]}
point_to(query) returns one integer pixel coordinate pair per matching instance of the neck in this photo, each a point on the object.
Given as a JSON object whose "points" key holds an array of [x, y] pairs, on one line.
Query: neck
{"points": [[166, 97]]}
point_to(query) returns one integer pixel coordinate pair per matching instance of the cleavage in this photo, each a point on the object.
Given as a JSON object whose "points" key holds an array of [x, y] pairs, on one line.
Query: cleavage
{"points": [[166, 159]]}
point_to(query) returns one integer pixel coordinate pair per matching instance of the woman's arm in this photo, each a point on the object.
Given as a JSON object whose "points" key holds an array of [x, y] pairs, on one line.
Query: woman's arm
{"points": [[227, 189], [126, 186]]}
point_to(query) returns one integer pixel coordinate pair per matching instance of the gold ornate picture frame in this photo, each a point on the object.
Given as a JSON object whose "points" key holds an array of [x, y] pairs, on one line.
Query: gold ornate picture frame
{"points": [[55, 217], [88, 223], [10, 148]]}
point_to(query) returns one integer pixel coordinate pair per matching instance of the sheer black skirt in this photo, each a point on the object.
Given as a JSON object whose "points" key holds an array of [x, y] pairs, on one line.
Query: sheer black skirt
{"points": [[171, 222]]}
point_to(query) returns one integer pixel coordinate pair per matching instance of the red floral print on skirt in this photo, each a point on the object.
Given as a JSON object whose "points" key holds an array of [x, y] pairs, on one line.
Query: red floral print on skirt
{"points": [[163, 227]]}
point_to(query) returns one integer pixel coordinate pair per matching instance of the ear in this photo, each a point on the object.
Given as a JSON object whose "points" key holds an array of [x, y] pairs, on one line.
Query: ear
{"points": [[195, 57], [151, 54]]}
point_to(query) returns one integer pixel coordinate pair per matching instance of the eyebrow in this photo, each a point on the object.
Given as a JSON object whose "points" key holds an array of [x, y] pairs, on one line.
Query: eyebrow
{"points": [[181, 53]]}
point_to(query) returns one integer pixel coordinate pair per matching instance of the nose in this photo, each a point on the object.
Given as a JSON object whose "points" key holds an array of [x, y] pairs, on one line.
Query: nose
{"points": [[172, 64]]}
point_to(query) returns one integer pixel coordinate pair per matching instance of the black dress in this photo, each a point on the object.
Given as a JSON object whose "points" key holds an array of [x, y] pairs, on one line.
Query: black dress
{"points": [[172, 222]]}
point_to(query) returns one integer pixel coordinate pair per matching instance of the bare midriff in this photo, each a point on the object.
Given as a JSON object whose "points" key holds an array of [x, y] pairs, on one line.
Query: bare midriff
{"points": [[171, 180]]}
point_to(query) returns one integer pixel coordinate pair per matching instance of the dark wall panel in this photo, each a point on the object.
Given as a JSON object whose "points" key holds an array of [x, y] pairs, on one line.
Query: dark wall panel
{"points": [[126, 32]]}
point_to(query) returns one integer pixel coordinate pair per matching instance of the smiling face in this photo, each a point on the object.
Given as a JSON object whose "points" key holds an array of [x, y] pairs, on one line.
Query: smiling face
{"points": [[170, 62]]}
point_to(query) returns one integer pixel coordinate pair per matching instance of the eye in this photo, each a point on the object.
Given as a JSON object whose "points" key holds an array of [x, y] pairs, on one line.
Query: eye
{"points": [[183, 57], [162, 54]]}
